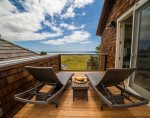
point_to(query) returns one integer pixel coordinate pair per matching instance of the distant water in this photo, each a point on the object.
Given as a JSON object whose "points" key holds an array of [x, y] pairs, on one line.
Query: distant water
{"points": [[71, 52]]}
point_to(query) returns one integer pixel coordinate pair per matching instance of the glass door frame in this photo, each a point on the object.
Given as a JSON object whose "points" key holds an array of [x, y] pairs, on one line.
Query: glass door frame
{"points": [[120, 38], [134, 53]]}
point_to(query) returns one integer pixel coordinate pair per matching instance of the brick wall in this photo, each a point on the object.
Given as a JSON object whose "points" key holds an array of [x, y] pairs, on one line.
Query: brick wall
{"points": [[108, 39], [15, 79]]}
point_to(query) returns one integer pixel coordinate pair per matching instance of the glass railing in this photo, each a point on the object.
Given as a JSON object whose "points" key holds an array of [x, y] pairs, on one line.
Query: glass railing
{"points": [[80, 62]]}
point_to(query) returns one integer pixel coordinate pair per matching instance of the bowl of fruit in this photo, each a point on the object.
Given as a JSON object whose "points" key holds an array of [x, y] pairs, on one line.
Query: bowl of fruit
{"points": [[79, 80]]}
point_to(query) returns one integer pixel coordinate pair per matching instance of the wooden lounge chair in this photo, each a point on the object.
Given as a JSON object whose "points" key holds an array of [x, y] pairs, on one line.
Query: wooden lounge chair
{"points": [[45, 76], [114, 78]]}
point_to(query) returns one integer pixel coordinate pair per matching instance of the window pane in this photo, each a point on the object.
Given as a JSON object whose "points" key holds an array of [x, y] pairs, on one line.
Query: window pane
{"points": [[142, 76]]}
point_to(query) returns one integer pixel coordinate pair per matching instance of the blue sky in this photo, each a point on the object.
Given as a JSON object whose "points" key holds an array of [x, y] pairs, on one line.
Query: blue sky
{"points": [[48, 25]]}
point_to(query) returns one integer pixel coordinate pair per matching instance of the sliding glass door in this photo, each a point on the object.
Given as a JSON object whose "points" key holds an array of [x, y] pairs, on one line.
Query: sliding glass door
{"points": [[141, 52]]}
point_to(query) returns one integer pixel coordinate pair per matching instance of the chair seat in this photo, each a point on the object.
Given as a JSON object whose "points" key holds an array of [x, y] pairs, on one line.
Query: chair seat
{"points": [[94, 77], [63, 77]]}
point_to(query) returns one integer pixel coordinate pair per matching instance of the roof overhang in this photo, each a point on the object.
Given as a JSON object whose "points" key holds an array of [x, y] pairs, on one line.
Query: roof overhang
{"points": [[104, 16]]}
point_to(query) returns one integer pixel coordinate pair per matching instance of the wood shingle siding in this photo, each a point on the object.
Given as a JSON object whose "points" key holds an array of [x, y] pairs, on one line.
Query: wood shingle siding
{"points": [[14, 78], [9, 51]]}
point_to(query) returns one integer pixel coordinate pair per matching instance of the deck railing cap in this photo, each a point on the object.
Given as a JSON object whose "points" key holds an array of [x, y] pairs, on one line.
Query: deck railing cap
{"points": [[23, 60]]}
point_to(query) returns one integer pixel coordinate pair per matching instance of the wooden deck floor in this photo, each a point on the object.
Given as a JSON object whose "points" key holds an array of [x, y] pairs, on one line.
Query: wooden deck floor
{"points": [[80, 109]]}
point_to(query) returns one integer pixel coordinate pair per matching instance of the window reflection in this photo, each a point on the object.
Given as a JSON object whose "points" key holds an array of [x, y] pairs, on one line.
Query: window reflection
{"points": [[142, 75]]}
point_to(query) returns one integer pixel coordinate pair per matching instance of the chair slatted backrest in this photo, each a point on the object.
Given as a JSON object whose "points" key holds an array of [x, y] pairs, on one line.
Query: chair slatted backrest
{"points": [[44, 74], [115, 76]]}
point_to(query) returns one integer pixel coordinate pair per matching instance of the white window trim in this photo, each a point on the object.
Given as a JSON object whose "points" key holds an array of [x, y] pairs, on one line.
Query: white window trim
{"points": [[119, 37]]}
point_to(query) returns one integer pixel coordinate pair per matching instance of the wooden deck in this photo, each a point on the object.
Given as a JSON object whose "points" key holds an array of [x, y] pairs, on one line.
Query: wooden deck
{"points": [[80, 109]]}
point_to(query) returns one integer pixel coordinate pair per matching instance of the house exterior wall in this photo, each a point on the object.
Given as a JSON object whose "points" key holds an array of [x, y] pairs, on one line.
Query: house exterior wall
{"points": [[108, 38], [15, 79]]}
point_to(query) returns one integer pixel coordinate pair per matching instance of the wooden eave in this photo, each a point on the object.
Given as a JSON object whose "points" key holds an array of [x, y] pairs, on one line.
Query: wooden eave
{"points": [[104, 16]]}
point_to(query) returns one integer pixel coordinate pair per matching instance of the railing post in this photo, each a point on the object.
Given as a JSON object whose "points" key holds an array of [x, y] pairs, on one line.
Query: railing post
{"points": [[103, 62], [105, 67], [59, 62], [1, 113]]}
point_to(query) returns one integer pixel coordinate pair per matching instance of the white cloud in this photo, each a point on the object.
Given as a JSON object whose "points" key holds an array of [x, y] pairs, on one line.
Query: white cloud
{"points": [[76, 4], [85, 42], [71, 26], [48, 6], [75, 37], [29, 36], [69, 13], [53, 26], [51, 35], [21, 22], [6, 8], [82, 3], [82, 14], [22, 26]]}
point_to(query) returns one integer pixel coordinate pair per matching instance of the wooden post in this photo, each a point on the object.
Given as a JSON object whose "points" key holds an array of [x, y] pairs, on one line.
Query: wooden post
{"points": [[59, 62], [103, 62]]}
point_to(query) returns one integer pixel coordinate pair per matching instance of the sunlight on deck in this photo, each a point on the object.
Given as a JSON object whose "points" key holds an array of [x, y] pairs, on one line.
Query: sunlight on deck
{"points": [[80, 108]]}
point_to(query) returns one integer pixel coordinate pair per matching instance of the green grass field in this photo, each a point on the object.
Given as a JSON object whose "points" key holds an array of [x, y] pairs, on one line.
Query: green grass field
{"points": [[75, 62]]}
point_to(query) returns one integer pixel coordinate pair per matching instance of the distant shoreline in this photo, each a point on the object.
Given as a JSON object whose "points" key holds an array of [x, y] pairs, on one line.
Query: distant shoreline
{"points": [[73, 52]]}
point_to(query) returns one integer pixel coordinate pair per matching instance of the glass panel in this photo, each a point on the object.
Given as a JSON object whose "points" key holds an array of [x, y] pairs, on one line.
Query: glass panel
{"points": [[142, 75], [127, 42], [79, 62]]}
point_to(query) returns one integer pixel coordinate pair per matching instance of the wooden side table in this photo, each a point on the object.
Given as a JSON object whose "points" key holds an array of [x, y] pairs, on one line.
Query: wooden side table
{"points": [[80, 90]]}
